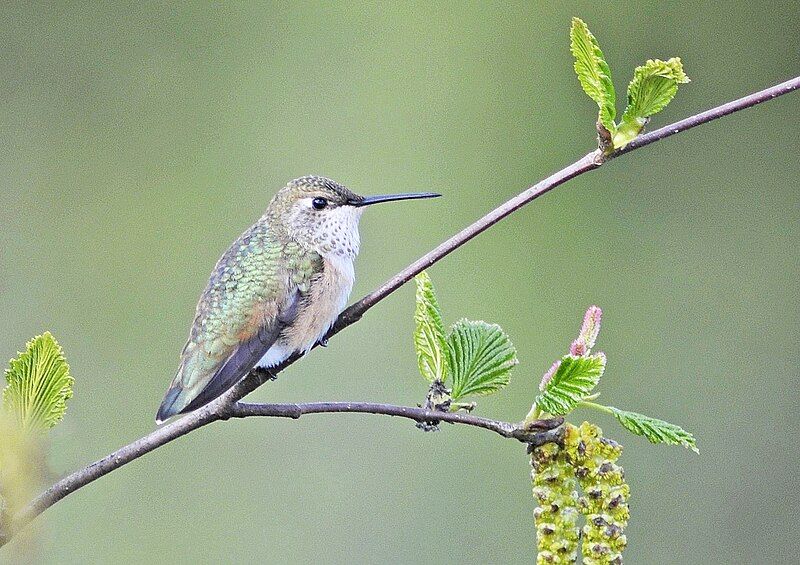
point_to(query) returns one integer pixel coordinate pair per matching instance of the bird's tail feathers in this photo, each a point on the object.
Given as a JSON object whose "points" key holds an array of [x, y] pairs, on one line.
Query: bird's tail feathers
{"points": [[181, 392], [173, 403]]}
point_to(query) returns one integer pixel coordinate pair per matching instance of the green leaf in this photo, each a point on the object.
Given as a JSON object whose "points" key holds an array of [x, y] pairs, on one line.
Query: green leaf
{"points": [[657, 431], [39, 385], [429, 340], [573, 380], [593, 72], [653, 86], [480, 357]]}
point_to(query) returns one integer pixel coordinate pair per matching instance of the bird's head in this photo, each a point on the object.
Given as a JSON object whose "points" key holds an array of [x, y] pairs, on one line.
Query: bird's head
{"points": [[323, 214]]}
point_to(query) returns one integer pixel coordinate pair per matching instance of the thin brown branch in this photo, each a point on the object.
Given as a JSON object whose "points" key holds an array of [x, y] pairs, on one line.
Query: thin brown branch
{"points": [[226, 407], [537, 432]]}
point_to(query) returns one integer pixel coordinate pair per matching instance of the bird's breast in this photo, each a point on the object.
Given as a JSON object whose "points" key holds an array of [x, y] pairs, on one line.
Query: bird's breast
{"points": [[322, 303]]}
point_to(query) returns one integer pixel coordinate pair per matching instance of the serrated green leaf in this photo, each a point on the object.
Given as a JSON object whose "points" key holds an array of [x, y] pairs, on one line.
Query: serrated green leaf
{"points": [[593, 72], [573, 380], [653, 86], [655, 430], [39, 385], [429, 339], [480, 358]]}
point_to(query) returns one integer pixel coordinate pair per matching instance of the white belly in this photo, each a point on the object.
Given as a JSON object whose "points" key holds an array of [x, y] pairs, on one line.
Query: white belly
{"points": [[325, 300], [276, 355]]}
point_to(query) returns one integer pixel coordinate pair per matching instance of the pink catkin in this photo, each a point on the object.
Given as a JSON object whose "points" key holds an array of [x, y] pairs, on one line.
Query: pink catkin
{"points": [[590, 328], [578, 348]]}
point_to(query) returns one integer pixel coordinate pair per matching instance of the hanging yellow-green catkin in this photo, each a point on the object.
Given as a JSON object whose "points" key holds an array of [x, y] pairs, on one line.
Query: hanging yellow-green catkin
{"points": [[605, 494], [556, 515]]}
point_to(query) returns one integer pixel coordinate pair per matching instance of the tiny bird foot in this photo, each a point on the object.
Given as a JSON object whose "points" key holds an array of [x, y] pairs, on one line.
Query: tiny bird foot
{"points": [[323, 342], [264, 374]]}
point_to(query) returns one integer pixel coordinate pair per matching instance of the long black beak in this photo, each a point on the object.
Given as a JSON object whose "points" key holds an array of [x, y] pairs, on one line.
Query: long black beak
{"points": [[367, 200]]}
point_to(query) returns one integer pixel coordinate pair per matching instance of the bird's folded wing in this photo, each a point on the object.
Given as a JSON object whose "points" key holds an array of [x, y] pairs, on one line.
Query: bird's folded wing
{"points": [[244, 357]]}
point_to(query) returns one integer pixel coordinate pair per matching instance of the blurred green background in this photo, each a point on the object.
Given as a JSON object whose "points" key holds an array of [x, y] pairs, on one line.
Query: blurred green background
{"points": [[138, 140]]}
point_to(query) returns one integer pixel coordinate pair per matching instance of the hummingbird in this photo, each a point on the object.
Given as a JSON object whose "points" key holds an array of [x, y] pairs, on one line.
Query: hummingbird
{"points": [[277, 290]]}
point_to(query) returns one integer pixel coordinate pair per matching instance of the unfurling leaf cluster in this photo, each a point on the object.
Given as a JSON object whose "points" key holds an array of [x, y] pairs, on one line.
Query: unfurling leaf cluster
{"points": [[34, 400], [474, 358], [653, 86], [572, 379], [39, 385], [570, 383]]}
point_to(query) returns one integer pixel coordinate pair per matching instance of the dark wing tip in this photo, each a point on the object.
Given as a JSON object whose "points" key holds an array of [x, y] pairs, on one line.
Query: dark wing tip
{"points": [[168, 407]]}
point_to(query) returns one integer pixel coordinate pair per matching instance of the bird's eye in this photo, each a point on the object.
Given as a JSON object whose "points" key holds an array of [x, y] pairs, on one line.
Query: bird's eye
{"points": [[319, 203]]}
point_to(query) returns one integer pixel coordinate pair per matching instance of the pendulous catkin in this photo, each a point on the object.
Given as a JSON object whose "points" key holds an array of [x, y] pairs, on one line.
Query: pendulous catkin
{"points": [[587, 459], [556, 515]]}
